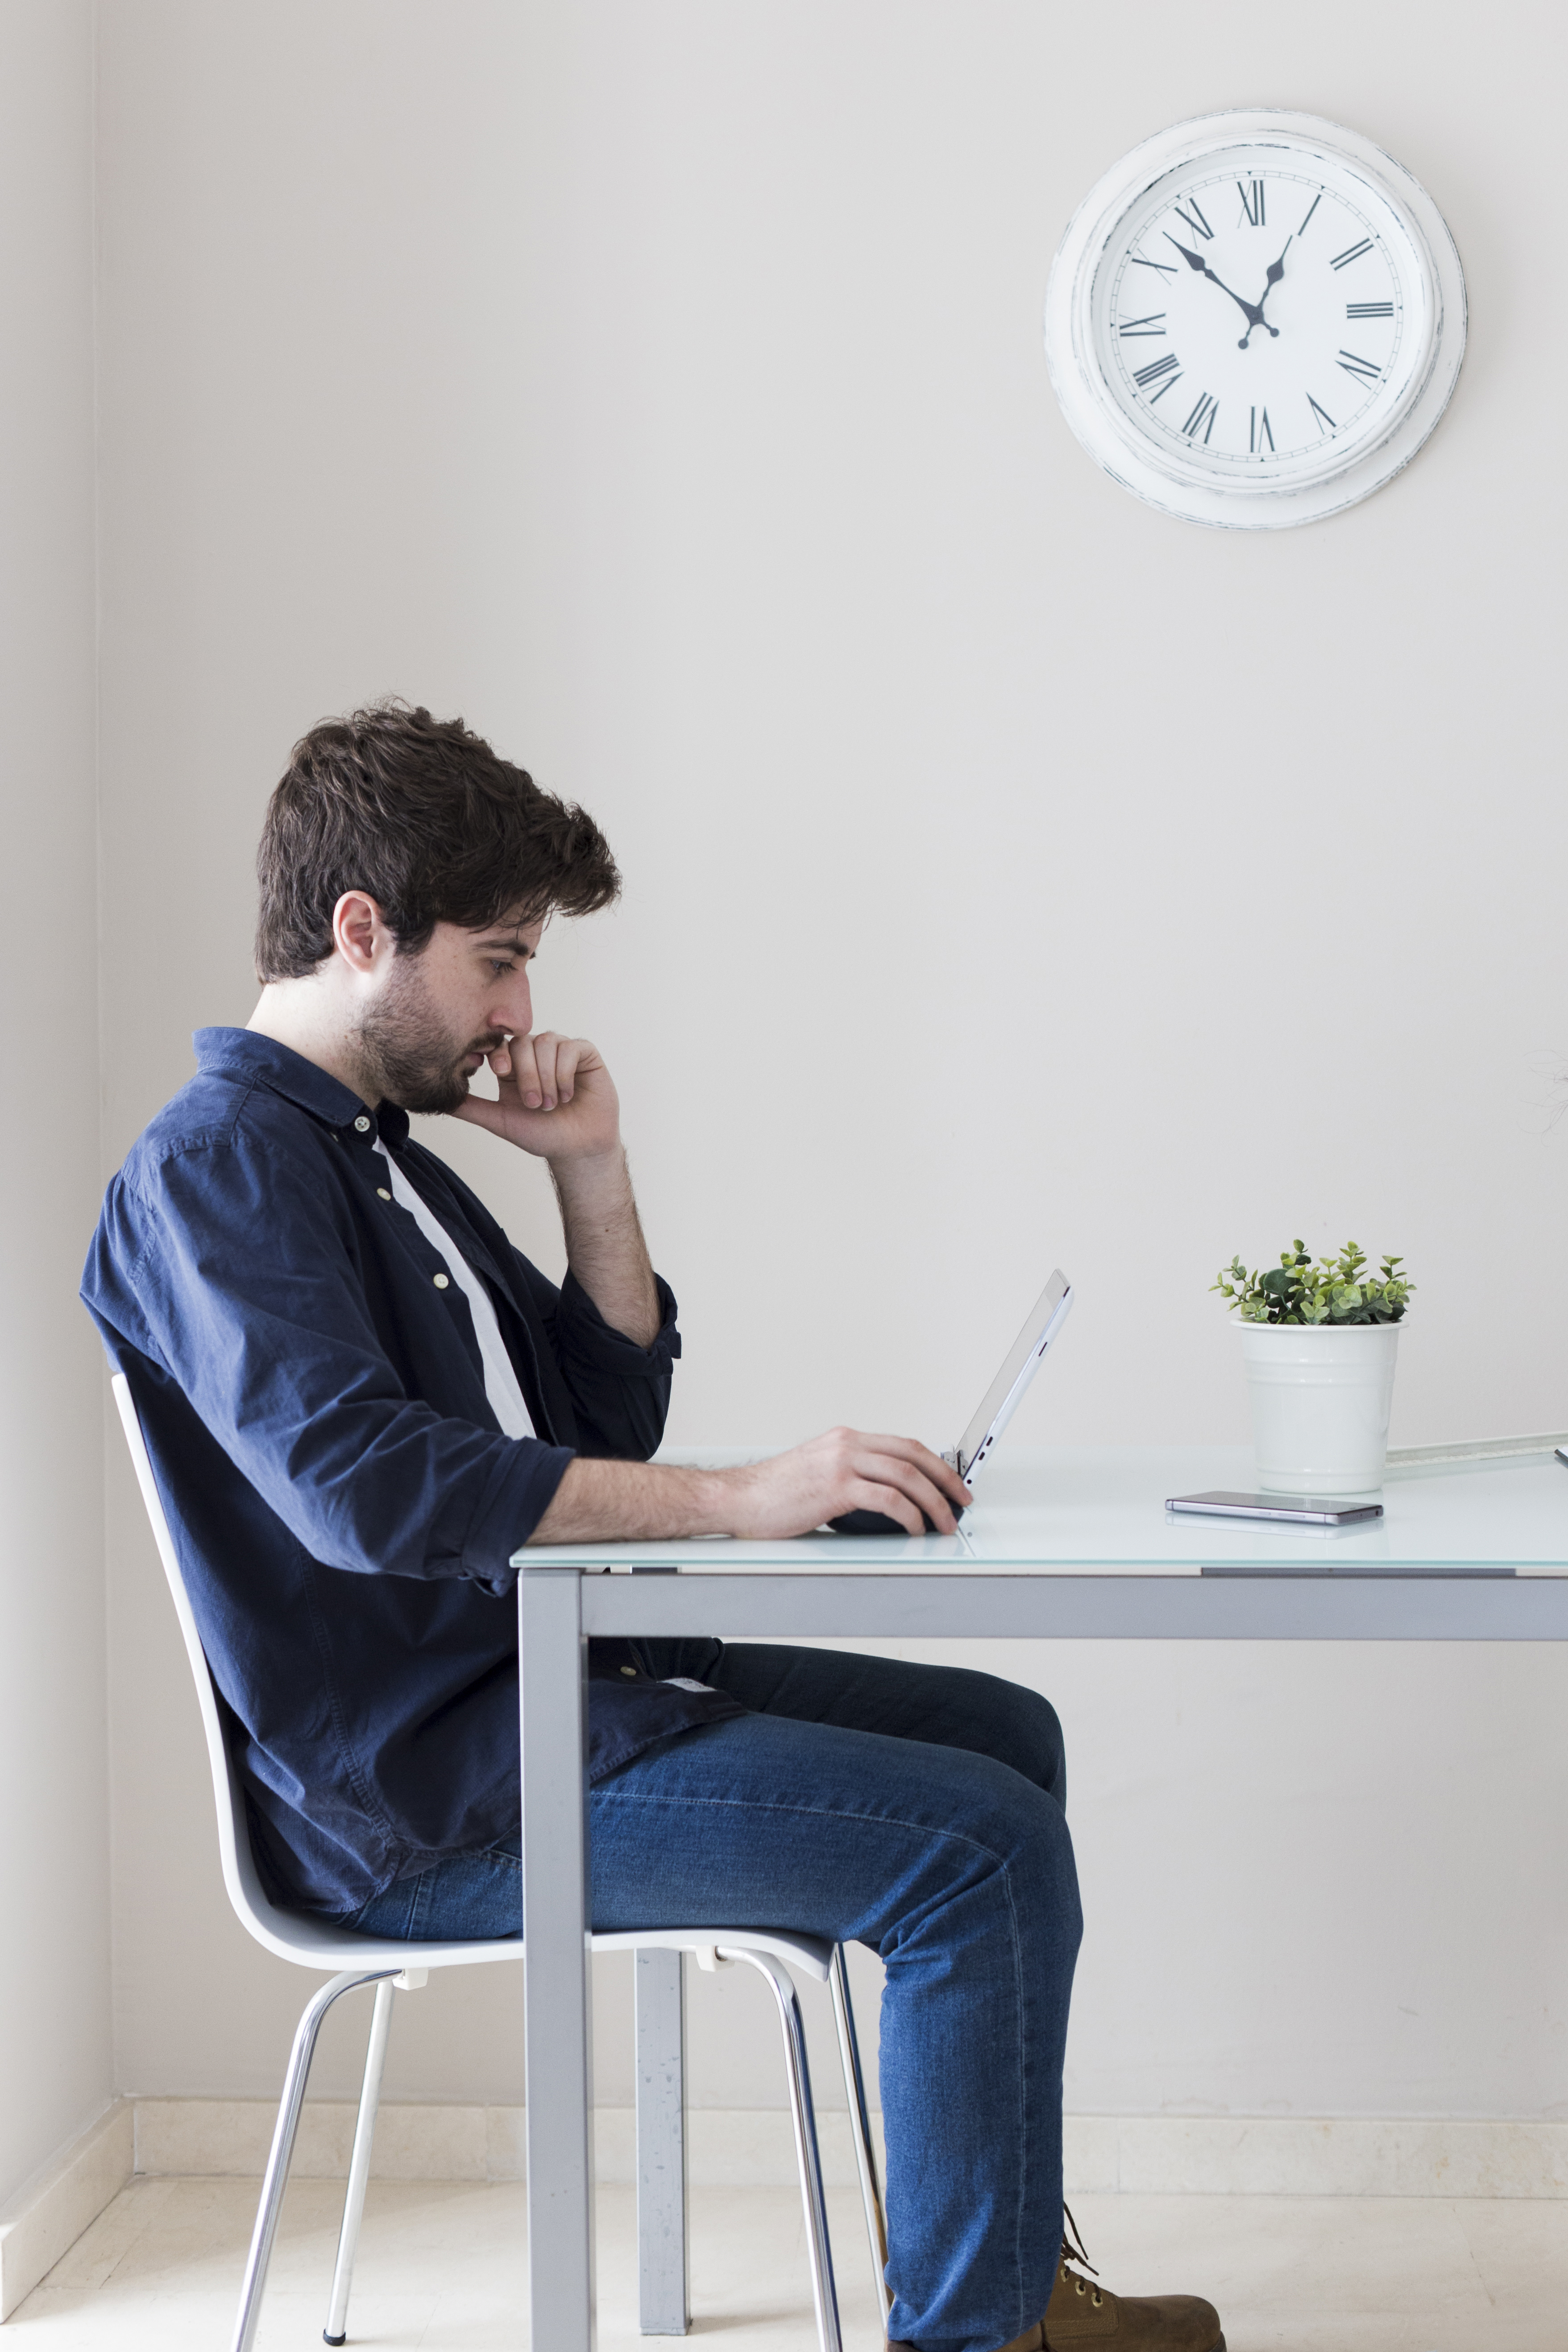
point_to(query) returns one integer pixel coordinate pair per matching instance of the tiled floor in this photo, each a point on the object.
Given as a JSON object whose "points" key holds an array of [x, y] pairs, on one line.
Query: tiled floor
{"points": [[441, 2268]]}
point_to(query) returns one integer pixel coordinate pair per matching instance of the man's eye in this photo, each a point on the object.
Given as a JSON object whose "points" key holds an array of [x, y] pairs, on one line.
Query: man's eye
{"points": [[500, 965]]}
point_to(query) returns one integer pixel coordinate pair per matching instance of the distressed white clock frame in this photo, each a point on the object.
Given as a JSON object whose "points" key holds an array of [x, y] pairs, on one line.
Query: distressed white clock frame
{"points": [[1090, 407]]}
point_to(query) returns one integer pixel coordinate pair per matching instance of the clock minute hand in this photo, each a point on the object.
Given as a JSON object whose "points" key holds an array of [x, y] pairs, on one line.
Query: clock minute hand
{"points": [[1255, 317]]}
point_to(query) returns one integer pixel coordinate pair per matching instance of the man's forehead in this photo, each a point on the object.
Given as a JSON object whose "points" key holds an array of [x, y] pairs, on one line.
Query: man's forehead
{"points": [[520, 930]]}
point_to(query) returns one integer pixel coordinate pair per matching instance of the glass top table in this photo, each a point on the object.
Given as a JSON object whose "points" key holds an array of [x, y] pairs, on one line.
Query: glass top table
{"points": [[1062, 1542], [1103, 1507]]}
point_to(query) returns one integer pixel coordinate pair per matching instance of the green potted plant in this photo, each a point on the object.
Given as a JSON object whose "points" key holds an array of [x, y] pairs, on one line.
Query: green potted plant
{"points": [[1319, 1341]]}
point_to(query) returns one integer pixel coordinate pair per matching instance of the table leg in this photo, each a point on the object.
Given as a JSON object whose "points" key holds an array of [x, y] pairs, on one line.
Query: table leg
{"points": [[662, 2242], [557, 2014]]}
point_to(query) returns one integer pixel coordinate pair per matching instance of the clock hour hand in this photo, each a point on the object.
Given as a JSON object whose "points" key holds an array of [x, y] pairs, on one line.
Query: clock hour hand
{"points": [[1255, 317], [1276, 272]]}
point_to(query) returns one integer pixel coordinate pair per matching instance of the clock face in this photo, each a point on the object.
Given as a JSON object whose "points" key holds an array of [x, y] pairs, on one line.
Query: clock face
{"points": [[1258, 318], [1247, 321]]}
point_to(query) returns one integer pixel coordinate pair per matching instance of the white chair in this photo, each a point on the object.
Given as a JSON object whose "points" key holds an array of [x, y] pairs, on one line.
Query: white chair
{"points": [[403, 1967]]}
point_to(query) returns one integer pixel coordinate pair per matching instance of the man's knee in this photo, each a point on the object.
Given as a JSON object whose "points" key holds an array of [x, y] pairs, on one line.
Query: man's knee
{"points": [[1033, 1723], [1018, 1725], [1000, 1826]]}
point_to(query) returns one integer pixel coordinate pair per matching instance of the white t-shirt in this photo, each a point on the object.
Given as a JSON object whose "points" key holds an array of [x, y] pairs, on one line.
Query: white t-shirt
{"points": [[501, 1381]]}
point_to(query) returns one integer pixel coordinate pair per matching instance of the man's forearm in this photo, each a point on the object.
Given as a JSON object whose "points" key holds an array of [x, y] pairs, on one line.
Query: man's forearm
{"points": [[843, 1470], [608, 1502], [604, 1244]]}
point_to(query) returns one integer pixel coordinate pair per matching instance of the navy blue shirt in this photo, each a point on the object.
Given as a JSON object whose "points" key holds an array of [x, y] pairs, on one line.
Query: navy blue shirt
{"points": [[342, 1498]]}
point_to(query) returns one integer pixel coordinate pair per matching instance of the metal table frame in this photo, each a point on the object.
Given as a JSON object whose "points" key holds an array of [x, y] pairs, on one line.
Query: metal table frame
{"points": [[562, 1603]]}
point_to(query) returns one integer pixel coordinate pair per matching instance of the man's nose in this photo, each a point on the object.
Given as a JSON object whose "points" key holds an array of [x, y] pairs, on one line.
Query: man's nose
{"points": [[513, 1007]]}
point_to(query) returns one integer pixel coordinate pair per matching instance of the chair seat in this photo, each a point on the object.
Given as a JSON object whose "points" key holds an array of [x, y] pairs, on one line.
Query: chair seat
{"points": [[318, 1944]]}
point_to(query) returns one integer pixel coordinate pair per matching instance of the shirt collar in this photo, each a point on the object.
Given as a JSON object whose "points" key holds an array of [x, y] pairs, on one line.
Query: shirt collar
{"points": [[242, 1053]]}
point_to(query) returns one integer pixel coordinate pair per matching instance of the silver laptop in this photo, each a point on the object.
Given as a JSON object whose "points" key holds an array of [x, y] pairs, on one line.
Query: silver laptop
{"points": [[1006, 1392], [998, 1405]]}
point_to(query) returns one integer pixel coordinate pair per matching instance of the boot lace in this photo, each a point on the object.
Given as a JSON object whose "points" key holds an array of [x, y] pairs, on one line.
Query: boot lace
{"points": [[1072, 2251]]}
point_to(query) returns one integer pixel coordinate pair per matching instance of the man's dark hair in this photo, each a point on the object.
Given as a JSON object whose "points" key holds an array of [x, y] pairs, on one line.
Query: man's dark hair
{"points": [[422, 815]]}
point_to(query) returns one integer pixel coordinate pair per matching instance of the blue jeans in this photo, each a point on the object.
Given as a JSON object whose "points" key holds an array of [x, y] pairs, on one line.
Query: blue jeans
{"points": [[915, 1809]]}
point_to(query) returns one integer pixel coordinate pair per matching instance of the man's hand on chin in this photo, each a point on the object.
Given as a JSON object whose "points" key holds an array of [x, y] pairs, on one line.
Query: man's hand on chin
{"points": [[557, 1099]]}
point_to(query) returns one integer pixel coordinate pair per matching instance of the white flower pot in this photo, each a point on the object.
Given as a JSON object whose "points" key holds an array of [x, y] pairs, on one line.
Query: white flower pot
{"points": [[1321, 1398]]}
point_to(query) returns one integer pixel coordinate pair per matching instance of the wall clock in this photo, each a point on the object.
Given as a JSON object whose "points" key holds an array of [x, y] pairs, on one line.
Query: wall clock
{"points": [[1254, 319]]}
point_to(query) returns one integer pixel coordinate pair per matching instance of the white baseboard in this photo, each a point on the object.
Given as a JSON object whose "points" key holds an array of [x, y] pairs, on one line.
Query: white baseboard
{"points": [[741, 2147], [1305, 2156], [50, 2212], [751, 2147]]}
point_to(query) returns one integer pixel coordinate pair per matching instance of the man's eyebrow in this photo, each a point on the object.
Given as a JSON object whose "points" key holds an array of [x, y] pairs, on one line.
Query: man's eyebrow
{"points": [[511, 940]]}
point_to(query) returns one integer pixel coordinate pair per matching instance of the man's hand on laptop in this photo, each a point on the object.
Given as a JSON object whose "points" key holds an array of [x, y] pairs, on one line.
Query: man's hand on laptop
{"points": [[789, 1494], [848, 1470]]}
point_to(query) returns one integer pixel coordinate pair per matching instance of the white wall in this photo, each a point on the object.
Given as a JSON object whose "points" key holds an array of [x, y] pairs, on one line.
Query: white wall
{"points": [[56, 2066], [1013, 872]]}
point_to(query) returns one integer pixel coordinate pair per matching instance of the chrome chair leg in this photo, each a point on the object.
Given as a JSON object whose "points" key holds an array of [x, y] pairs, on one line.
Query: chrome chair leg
{"points": [[860, 2129], [824, 2293], [276, 2175], [336, 2328]]}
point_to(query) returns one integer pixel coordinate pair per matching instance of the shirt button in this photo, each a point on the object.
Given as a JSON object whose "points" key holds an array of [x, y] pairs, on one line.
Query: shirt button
{"points": [[440, 1282], [631, 1671], [382, 1193], [361, 1126]]}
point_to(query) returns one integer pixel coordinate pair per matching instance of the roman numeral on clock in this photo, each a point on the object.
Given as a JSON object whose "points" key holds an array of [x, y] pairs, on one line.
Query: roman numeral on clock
{"points": [[1352, 253], [1260, 433], [1162, 372], [1205, 411], [1364, 370], [1311, 209], [1194, 219], [1148, 326], [1165, 268], [1369, 309], [1251, 202], [1324, 419]]}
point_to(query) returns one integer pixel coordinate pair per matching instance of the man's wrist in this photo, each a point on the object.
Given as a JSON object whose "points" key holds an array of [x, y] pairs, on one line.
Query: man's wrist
{"points": [[589, 1171], [595, 1189], [713, 1501]]}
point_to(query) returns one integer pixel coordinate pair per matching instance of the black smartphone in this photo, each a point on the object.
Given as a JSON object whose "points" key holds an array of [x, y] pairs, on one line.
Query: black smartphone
{"points": [[1312, 1510]]}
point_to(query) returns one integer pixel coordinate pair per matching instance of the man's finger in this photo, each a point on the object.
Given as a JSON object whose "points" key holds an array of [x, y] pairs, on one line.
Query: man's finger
{"points": [[525, 1072], [865, 1497], [905, 1478], [569, 1054], [483, 1112], [544, 1063], [919, 1457]]}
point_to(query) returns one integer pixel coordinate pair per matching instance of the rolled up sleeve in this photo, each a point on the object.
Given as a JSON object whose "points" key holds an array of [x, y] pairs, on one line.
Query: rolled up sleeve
{"points": [[620, 1391]]}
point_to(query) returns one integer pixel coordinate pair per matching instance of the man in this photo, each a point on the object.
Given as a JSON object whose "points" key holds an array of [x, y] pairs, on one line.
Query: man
{"points": [[359, 1400]]}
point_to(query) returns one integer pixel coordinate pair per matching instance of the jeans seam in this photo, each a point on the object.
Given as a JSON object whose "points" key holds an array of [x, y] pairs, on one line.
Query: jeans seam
{"points": [[1023, 2106]]}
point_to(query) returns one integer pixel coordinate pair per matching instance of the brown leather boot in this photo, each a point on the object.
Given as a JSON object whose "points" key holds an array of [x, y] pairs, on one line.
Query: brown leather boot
{"points": [[1082, 2314]]}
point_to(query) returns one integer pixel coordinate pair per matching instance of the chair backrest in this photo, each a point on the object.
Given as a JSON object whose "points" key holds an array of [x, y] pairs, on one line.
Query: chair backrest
{"points": [[293, 1935], [233, 1832]]}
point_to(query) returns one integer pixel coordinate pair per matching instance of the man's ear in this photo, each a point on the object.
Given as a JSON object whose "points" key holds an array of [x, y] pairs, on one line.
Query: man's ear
{"points": [[360, 932]]}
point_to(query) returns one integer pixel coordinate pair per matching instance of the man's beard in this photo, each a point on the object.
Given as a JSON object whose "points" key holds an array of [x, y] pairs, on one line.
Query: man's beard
{"points": [[413, 1058]]}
